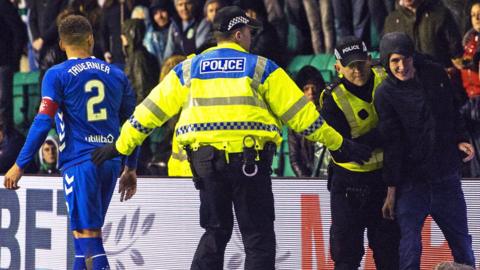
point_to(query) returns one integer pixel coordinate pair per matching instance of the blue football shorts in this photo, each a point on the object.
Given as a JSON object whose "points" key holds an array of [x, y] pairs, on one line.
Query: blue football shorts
{"points": [[88, 190]]}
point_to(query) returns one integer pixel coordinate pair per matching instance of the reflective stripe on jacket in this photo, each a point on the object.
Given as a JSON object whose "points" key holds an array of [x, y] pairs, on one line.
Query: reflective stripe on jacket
{"points": [[351, 105], [178, 164], [226, 94]]}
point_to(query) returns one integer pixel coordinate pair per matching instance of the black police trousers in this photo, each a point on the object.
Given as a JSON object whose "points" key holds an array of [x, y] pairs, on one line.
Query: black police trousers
{"points": [[356, 201], [221, 185]]}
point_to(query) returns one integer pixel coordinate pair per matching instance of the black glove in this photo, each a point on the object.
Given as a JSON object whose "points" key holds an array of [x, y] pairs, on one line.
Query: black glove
{"points": [[103, 153], [352, 151]]}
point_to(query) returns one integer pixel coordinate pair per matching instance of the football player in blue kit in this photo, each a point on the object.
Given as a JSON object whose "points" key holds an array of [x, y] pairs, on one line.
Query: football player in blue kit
{"points": [[89, 99]]}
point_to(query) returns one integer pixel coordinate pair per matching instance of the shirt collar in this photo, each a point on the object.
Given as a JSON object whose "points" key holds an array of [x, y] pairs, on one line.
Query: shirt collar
{"points": [[227, 45]]}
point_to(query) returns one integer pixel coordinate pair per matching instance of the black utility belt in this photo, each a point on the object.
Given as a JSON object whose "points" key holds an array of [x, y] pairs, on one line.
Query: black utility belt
{"points": [[249, 159]]}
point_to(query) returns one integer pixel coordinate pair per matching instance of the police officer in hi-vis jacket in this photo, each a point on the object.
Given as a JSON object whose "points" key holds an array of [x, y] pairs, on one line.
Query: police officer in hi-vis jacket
{"points": [[357, 191], [233, 105]]}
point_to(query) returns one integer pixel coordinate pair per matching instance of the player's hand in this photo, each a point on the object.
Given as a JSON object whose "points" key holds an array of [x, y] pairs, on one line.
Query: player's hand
{"points": [[12, 177], [128, 184], [103, 153], [468, 150], [388, 209]]}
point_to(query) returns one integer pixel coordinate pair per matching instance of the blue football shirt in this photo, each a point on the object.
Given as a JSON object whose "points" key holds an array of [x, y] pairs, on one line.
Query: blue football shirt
{"points": [[92, 98]]}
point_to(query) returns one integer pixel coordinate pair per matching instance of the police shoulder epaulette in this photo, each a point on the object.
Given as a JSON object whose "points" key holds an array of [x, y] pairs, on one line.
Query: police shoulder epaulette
{"points": [[332, 85]]}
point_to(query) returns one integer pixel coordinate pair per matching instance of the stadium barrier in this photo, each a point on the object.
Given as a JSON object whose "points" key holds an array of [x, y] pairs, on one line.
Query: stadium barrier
{"points": [[159, 227]]}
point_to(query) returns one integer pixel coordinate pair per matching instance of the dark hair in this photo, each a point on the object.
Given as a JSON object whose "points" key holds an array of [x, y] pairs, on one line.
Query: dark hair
{"points": [[470, 6], [74, 30]]}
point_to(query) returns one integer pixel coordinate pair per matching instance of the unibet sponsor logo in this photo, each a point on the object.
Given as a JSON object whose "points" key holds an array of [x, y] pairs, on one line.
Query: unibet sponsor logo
{"points": [[350, 48], [222, 65], [100, 139]]}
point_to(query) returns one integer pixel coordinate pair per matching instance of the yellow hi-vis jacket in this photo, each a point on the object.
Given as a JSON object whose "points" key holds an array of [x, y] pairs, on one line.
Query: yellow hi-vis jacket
{"points": [[351, 105], [178, 164], [226, 94]]}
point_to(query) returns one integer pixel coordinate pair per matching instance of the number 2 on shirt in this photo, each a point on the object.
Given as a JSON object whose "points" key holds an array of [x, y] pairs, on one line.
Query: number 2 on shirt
{"points": [[91, 114]]}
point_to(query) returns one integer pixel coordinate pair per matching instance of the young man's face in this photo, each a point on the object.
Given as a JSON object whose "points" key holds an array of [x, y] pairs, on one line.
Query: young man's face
{"points": [[475, 17], [185, 9], [49, 152], [357, 72], [161, 17], [212, 9], [309, 91], [401, 66]]}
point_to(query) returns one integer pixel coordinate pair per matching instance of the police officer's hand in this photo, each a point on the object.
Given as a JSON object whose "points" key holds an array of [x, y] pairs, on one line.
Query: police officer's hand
{"points": [[352, 151], [388, 209], [103, 153]]}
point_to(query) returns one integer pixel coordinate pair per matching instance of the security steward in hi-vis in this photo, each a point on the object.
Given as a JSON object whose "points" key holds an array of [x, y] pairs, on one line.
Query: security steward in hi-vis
{"points": [[233, 106], [357, 191]]}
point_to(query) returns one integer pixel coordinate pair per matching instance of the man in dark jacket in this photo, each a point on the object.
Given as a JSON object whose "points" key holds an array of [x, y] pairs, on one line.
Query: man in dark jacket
{"points": [[43, 25], [424, 141], [357, 191], [432, 28], [302, 152], [13, 38]]}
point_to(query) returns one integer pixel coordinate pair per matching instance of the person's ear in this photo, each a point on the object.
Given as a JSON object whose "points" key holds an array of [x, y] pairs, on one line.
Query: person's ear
{"points": [[238, 35], [337, 67], [90, 40], [61, 45]]}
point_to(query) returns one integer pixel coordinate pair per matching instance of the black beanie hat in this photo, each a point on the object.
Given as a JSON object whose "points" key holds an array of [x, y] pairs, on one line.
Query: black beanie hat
{"points": [[395, 42], [309, 74]]}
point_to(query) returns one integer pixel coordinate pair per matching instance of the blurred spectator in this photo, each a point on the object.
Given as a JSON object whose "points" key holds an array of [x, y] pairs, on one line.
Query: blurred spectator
{"points": [[187, 32], [157, 33], [277, 17], [141, 12], [210, 9], [265, 41], [141, 67], [11, 142], [320, 19], [43, 26], [452, 266], [471, 84], [92, 11], [48, 156], [13, 39], [460, 10], [431, 26], [302, 151], [299, 39], [115, 12], [353, 17], [142, 70]]}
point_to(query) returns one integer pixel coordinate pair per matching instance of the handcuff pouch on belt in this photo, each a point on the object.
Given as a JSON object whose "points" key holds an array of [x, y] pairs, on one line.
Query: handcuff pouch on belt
{"points": [[205, 162]]}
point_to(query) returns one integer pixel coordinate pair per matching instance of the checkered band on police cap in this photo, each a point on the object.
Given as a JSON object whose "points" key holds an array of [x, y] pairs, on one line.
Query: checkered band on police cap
{"points": [[232, 17], [236, 21]]}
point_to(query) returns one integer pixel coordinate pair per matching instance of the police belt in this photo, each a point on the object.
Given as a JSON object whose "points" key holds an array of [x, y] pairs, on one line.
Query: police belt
{"points": [[262, 158]]}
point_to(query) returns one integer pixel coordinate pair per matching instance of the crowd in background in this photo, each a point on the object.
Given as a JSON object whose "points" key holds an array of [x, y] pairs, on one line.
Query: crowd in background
{"points": [[141, 37]]}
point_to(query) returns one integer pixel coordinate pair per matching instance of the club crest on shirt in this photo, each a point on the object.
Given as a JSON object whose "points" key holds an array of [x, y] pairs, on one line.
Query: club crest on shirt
{"points": [[215, 65]]}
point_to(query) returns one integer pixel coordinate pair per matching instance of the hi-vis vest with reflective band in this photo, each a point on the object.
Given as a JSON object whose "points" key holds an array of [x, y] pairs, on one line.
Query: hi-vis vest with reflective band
{"points": [[178, 164], [226, 94], [351, 105]]}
